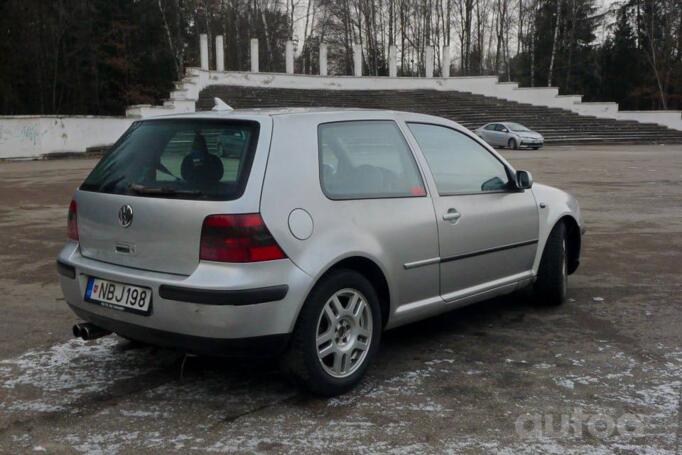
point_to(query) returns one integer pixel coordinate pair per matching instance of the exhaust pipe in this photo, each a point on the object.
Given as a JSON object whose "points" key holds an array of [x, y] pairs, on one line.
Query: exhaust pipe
{"points": [[89, 331]]}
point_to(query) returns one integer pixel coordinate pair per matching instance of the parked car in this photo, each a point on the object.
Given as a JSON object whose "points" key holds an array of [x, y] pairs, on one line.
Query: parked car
{"points": [[231, 143], [511, 135], [333, 226]]}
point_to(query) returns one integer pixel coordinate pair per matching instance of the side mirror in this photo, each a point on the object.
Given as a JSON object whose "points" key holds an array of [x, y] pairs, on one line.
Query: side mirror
{"points": [[524, 180]]}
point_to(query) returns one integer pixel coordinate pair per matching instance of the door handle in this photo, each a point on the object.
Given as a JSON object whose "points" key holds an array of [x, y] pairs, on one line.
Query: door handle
{"points": [[452, 216]]}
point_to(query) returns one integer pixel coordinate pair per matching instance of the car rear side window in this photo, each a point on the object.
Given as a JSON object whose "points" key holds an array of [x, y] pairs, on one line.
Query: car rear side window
{"points": [[179, 158], [366, 160], [458, 163]]}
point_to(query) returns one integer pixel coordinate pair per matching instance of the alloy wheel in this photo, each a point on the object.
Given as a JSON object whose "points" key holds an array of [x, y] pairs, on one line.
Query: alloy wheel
{"points": [[344, 333]]}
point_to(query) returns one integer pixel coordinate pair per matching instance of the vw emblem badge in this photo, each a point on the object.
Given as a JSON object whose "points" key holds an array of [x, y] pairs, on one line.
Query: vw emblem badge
{"points": [[125, 215]]}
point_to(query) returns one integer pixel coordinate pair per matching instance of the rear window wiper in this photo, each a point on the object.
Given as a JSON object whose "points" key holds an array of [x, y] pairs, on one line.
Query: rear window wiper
{"points": [[162, 191]]}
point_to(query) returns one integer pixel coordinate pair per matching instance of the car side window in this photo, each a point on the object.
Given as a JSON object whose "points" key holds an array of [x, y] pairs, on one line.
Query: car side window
{"points": [[500, 127], [366, 159], [458, 163], [490, 127]]}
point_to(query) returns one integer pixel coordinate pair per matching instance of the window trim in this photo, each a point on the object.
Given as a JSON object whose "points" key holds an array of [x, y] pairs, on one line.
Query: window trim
{"points": [[512, 181], [365, 198]]}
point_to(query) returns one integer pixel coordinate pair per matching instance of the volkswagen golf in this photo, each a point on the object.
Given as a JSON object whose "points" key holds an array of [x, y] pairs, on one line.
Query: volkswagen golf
{"points": [[327, 227]]}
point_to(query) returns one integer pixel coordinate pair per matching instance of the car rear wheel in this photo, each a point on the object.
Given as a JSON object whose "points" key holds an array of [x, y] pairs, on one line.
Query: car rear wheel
{"points": [[336, 336], [552, 281], [513, 144]]}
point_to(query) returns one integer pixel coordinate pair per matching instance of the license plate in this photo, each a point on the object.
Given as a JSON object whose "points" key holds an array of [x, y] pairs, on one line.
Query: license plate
{"points": [[118, 296]]}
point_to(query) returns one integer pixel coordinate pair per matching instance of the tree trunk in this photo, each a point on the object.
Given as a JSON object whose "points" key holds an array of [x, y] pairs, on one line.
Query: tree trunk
{"points": [[554, 43], [171, 45], [571, 45], [532, 43], [652, 58]]}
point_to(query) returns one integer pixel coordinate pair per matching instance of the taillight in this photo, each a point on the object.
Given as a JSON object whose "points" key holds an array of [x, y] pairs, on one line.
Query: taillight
{"points": [[72, 221], [237, 238]]}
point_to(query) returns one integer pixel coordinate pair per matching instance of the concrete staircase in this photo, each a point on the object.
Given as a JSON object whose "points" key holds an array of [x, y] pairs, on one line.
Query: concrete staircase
{"points": [[558, 126]]}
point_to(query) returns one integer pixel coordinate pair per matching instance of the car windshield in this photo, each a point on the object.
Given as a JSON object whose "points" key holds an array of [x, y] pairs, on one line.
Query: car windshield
{"points": [[516, 127], [179, 158]]}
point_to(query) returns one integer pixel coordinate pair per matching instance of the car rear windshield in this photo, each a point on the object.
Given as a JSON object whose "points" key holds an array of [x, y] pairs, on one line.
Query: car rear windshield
{"points": [[178, 158]]}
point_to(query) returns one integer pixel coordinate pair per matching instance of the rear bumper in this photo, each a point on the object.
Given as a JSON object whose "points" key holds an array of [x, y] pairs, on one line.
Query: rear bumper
{"points": [[261, 346], [220, 297], [218, 307]]}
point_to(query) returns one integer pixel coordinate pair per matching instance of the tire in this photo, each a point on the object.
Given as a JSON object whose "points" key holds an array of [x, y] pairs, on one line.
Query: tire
{"points": [[513, 144], [552, 281], [345, 363]]}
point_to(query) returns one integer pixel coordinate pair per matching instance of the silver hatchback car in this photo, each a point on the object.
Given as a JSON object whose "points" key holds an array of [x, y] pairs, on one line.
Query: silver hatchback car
{"points": [[327, 228]]}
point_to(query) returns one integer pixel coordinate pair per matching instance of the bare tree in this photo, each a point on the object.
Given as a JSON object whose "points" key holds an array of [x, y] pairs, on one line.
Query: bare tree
{"points": [[660, 42], [554, 42], [178, 51], [465, 12], [533, 11]]}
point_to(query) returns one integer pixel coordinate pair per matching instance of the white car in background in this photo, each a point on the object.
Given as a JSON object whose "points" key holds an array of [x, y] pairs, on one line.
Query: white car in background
{"points": [[511, 135]]}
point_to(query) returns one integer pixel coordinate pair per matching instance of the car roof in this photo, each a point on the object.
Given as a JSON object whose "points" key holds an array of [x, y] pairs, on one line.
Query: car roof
{"points": [[265, 112], [500, 123], [300, 112]]}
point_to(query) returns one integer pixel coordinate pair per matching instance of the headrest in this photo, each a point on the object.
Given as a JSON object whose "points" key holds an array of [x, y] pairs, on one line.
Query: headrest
{"points": [[200, 167]]}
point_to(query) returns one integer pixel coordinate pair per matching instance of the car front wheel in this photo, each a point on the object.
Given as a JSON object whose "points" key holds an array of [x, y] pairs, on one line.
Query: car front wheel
{"points": [[513, 144], [336, 336], [552, 280]]}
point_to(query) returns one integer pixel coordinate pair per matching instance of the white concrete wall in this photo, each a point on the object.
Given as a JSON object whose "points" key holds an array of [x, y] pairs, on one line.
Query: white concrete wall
{"points": [[33, 136], [671, 119]]}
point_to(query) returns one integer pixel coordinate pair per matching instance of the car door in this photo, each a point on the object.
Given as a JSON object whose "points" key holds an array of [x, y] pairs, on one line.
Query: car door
{"points": [[495, 135], [373, 203], [487, 229], [489, 134], [501, 134]]}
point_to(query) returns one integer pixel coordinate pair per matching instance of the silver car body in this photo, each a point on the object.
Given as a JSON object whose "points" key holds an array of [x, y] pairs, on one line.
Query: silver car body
{"points": [[499, 134], [430, 265]]}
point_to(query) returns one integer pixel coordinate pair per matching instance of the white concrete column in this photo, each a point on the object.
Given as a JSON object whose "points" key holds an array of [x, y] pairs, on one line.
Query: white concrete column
{"points": [[290, 57], [429, 61], [392, 60], [357, 60], [203, 47], [446, 62], [254, 55], [219, 53], [323, 59]]}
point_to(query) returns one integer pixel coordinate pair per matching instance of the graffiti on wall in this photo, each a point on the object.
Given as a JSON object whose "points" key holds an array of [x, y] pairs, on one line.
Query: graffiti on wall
{"points": [[4, 133], [22, 137], [31, 133], [25, 135]]}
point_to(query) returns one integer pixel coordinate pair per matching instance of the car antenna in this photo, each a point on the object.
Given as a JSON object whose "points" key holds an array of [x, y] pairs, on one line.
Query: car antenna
{"points": [[220, 105]]}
